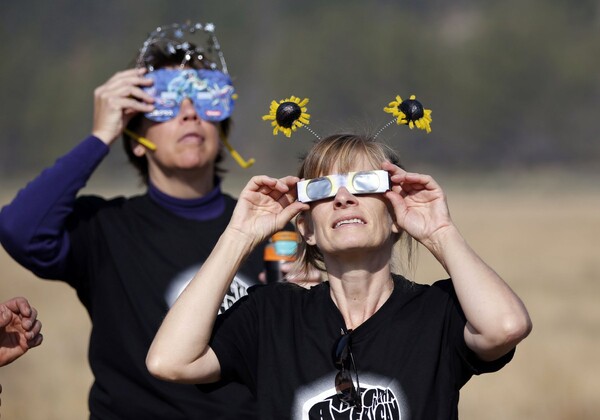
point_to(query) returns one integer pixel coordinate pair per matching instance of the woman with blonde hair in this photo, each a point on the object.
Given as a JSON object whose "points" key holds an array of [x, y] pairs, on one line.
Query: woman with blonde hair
{"points": [[367, 343]]}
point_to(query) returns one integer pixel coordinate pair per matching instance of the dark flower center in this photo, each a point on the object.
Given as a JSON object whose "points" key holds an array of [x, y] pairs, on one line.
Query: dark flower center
{"points": [[287, 113], [412, 109]]}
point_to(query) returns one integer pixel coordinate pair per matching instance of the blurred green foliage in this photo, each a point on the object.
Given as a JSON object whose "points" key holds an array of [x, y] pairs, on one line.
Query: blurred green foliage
{"points": [[511, 84]]}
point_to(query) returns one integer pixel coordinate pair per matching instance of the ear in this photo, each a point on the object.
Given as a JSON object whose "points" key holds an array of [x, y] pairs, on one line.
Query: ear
{"points": [[139, 150], [305, 227]]}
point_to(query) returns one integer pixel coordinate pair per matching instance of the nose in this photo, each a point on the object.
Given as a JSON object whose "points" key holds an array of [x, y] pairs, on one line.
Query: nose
{"points": [[187, 112], [344, 198]]}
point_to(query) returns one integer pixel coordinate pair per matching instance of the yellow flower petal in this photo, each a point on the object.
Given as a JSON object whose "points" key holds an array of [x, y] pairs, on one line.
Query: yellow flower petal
{"points": [[300, 120]]}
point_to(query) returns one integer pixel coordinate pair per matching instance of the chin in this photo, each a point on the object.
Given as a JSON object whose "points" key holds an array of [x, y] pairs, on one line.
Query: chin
{"points": [[195, 161]]}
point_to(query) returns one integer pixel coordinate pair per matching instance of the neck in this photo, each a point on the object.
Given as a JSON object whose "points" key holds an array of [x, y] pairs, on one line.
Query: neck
{"points": [[184, 184], [359, 293], [208, 207]]}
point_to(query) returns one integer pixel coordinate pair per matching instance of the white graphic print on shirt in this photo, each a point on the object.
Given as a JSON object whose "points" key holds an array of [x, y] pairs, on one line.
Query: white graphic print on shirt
{"points": [[378, 402], [238, 288]]}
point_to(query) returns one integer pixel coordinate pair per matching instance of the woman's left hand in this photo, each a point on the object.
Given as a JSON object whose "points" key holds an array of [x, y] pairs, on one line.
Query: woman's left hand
{"points": [[419, 203]]}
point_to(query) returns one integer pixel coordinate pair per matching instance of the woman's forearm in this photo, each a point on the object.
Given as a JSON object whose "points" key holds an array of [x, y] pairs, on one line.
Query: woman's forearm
{"points": [[180, 351]]}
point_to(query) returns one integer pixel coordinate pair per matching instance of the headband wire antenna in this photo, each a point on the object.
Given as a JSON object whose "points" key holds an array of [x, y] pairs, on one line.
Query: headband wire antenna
{"points": [[384, 127], [310, 130]]}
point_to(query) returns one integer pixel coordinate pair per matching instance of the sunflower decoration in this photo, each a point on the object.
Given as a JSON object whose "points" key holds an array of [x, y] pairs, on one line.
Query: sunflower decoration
{"points": [[287, 115], [410, 112]]}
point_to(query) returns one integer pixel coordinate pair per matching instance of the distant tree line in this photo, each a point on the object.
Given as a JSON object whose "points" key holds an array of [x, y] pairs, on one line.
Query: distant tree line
{"points": [[510, 83]]}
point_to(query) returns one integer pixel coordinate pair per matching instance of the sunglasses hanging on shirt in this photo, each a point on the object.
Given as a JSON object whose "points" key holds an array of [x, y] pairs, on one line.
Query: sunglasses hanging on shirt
{"points": [[343, 359]]}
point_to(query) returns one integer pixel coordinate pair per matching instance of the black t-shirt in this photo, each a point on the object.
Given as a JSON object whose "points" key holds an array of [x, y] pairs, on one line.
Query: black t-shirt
{"points": [[129, 260], [411, 355]]}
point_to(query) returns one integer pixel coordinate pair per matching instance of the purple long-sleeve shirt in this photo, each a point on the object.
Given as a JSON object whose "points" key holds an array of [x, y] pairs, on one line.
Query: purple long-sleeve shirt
{"points": [[32, 226]]}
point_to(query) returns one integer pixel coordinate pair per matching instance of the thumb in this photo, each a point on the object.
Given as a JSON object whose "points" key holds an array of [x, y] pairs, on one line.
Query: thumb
{"points": [[397, 202], [289, 212]]}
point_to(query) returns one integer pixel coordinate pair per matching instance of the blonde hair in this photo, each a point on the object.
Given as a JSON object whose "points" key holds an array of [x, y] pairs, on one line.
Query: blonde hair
{"points": [[342, 151]]}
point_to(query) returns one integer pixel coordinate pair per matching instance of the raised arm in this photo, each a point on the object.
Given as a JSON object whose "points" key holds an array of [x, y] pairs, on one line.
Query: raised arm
{"points": [[32, 226], [497, 319], [180, 351]]}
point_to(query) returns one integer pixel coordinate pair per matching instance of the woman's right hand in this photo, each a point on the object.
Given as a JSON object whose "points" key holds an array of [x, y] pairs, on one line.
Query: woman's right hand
{"points": [[265, 206], [117, 101]]}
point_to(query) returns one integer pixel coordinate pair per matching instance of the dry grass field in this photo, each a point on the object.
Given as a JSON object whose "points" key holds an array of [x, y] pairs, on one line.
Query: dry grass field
{"points": [[542, 237]]}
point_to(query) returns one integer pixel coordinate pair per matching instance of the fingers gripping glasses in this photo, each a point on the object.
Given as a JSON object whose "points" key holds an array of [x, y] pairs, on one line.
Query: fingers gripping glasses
{"points": [[363, 182], [343, 360]]}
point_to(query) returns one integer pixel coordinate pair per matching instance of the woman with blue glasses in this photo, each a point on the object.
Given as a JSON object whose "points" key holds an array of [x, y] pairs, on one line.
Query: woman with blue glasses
{"points": [[129, 257], [368, 343]]}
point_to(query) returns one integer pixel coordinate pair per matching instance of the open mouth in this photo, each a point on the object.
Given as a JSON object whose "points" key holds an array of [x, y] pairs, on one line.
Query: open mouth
{"points": [[353, 221]]}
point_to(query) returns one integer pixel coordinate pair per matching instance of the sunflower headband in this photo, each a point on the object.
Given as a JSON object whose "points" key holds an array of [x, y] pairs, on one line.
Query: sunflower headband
{"points": [[289, 114]]}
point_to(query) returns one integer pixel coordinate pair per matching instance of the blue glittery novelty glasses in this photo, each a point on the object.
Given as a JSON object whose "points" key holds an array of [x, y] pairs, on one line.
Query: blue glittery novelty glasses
{"points": [[363, 182], [210, 91]]}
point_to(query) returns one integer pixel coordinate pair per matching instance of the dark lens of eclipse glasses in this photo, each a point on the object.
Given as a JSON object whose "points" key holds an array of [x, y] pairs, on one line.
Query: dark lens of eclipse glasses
{"points": [[365, 182], [318, 188]]}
